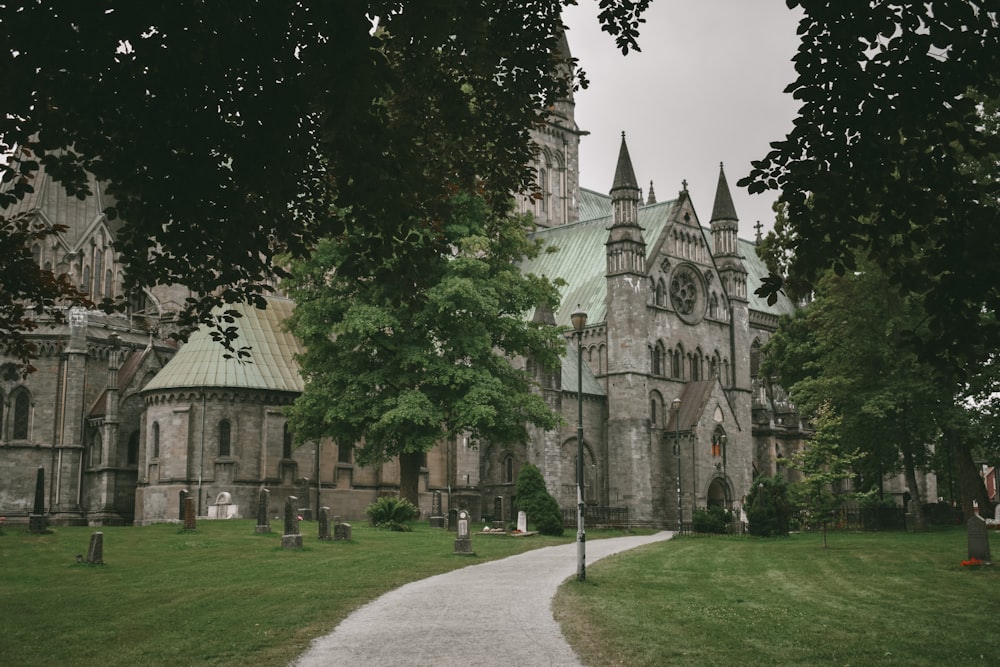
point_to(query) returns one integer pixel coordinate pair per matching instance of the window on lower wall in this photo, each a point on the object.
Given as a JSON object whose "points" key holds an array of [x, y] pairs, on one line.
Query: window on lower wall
{"points": [[225, 437]]}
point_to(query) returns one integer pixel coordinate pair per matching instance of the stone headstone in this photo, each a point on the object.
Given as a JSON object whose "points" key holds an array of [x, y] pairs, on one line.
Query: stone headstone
{"points": [[979, 539], [324, 524], [522, 522], [498, 513], [341, 532], [463, 539], [37, 523], [183, 504], [291, 539], [95, 553], [190, 515], [452, 520], [437, 518], [263, 522], [305, 512]]}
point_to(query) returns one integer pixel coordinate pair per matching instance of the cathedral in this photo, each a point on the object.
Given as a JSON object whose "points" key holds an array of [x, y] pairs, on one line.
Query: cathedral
{"points": [[675, 416]]}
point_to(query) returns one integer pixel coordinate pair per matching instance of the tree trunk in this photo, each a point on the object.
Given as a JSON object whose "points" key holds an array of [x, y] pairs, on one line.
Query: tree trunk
{"points": [[970, 483], [916, 498], [409, 476]]}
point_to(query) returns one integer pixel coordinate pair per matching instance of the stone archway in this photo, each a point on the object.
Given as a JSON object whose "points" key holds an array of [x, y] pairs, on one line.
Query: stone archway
{"points": [[717, 493]]}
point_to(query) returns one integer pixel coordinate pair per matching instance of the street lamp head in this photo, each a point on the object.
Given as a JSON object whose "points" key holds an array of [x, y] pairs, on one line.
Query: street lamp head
{"points": [[723, 439], [675, 405], [579, 319]]}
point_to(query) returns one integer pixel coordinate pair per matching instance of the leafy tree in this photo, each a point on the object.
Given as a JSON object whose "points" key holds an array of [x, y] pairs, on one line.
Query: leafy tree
{"points": [[535, 501], [843, 362], [824, 466], [232, 134], [893, 157], [398, 363]]}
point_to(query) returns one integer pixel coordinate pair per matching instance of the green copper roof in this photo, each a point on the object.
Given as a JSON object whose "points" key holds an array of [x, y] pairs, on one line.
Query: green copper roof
{"points": [[201, 361]]}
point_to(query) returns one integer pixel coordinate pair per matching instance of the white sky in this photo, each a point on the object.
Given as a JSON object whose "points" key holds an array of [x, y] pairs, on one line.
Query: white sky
{"points": [[706, 88]]}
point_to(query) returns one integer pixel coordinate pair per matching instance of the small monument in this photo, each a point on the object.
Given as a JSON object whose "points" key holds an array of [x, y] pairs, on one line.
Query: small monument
{"points": [[463, 540], [305, 512], [37, 523], [190, 515], [452, 520], [324, 524], [183, 504], [223, 507], [95, 553], [437, 518], [979, 539], [498, 523], [522, 522], [291, 539], [341, 531], [263, 522]]}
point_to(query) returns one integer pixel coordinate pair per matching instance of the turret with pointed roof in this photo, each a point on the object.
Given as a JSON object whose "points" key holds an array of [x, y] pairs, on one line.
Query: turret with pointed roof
{"points": [[725, 229]]}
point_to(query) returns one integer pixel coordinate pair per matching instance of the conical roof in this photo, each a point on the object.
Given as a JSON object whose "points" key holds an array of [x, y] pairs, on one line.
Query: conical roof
{"points": [[624, 173], [202, 361], [723, 209]]}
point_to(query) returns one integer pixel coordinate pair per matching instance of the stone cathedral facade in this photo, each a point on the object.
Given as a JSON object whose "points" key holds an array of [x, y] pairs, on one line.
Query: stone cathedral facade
{"points": [[675, 416]]}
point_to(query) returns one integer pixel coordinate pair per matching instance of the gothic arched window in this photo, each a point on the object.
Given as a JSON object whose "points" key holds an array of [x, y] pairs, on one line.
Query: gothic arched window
{"points": [[22, 414], [225, 436], [156, 440]]}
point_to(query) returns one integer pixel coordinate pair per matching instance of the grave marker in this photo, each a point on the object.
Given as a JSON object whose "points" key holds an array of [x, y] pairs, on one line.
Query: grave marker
{"points": [[452, 520], [291, 539], [979, 539], [437, 518], [190, 516], [522, 522], [324, 524], [263, 522], [463, 540], [341, 531], [37, 523], [498, 513], [95, 553]]}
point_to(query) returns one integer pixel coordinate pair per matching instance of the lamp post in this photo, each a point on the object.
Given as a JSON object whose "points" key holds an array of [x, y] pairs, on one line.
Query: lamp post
{"points": [[723, 439], [675, 407], [579, 319]]}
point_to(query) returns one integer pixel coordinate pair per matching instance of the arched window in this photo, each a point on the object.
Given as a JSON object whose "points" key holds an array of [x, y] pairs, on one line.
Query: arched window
{"points": [[713, 306], [286, 443], [156, 440], [225, 433], [22, 414], [132, 455], [108, 284], [543, 189], [659, 359], [661, 293], [85, 284], [96, 445], [755, 359], [98, 272], [508, 469], [676, 368]]}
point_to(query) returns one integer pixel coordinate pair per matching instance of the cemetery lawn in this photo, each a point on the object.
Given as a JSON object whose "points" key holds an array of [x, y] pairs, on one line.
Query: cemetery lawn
{"points": [[867, 599], [221, 595]]}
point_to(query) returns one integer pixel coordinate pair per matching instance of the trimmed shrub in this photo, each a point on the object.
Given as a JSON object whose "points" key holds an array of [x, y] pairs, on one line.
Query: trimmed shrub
{"points": [[712, 520], [534, 500], [392, 513]]}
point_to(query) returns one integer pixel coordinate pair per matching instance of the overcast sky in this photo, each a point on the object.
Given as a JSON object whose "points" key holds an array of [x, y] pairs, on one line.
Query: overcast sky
{"points": [[706, 88]]}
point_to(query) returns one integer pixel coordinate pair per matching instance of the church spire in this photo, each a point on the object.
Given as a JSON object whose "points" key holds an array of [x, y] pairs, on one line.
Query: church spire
{"points": [[723, 208], [626, 247]]}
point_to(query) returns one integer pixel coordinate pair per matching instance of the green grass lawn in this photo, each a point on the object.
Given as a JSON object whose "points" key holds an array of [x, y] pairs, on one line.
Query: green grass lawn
{"points": [[867, 599], [219, 596]]}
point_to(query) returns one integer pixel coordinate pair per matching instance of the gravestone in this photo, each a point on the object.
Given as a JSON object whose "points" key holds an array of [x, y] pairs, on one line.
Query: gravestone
{"points": [[324, 524], [498, 513], [979, 539], [95, 553], [522, 522], [452, 520], [437, 518], [183, 504], [263, 522], [291, 539], [37, 523], [341, 532], [463, 539], [190, 516], [223, 507], [305, 512]]}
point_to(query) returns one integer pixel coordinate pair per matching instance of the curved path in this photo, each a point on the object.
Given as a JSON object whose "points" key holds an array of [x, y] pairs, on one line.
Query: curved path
{"points": [[497, 613]]}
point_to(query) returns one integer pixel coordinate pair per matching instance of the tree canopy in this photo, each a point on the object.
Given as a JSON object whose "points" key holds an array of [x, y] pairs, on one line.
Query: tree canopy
{"points": [[894, 154], [232, 134]]}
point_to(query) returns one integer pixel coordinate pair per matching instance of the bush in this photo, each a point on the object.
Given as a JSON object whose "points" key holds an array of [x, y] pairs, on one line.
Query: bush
{"points": [[392, 513], [712, 520], [534, 500], [768, 507]]}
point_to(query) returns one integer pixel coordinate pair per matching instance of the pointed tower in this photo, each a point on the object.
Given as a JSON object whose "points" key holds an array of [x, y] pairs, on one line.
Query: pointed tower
{"points": [[725, 229], [628, 443]]}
